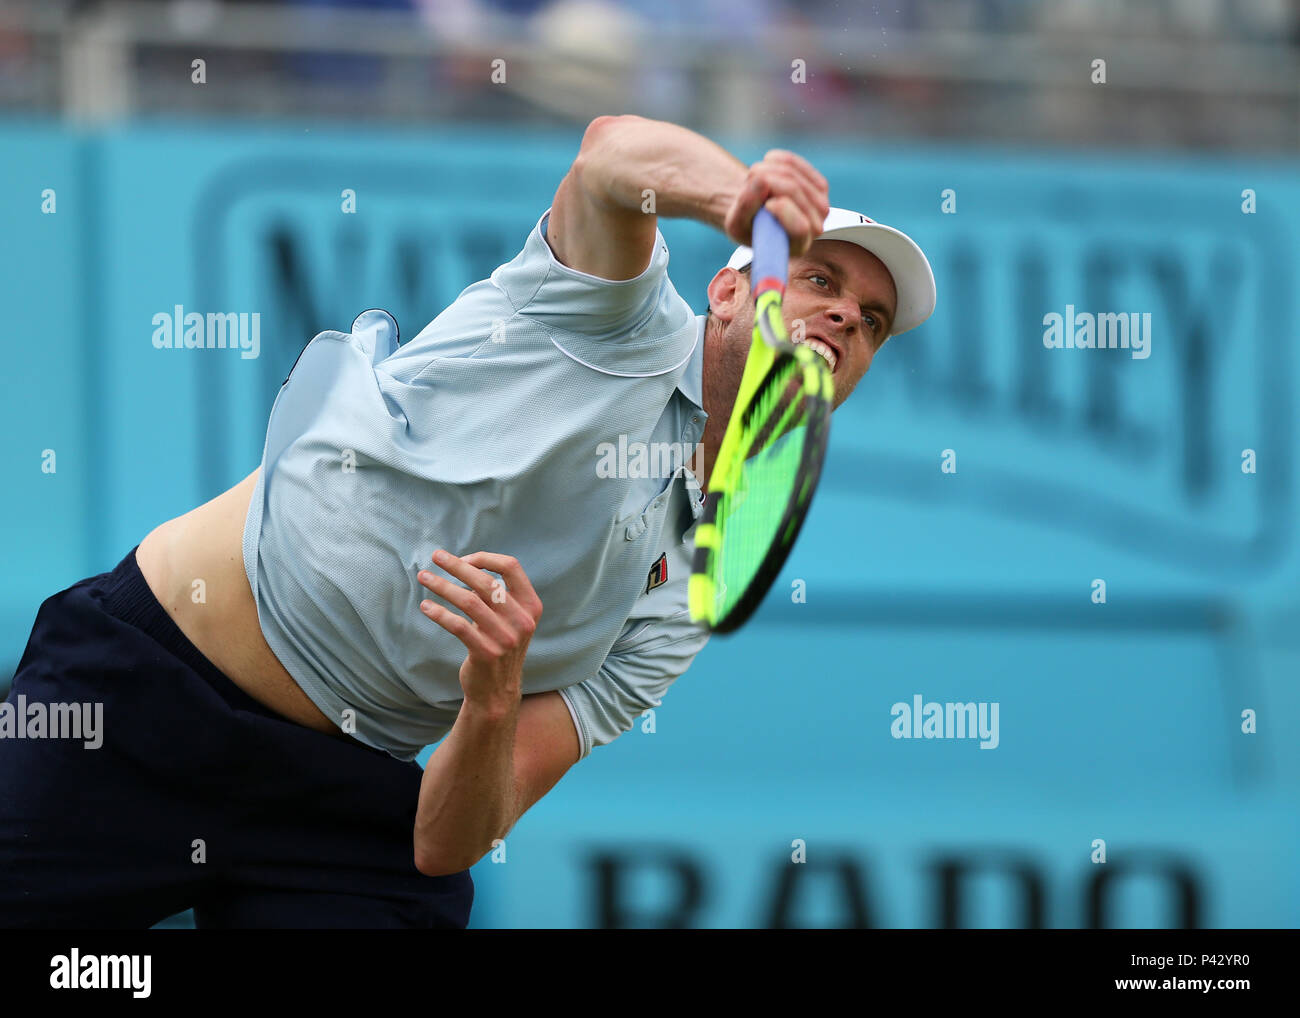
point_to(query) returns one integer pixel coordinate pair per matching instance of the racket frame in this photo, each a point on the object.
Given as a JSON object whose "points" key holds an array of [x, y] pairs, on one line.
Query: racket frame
{"points": [[769, 353]]}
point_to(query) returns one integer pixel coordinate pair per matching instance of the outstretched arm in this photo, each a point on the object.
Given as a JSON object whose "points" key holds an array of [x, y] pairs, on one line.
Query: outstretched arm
{"points": [[631, 170]]}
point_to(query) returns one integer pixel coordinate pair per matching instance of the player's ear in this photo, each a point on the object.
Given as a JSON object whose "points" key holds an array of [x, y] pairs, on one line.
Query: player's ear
{"points": [[728, 292]]}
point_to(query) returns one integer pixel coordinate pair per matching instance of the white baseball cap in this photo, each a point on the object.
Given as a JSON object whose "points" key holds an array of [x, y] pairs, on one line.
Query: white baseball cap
{"points": [[900, 254]]}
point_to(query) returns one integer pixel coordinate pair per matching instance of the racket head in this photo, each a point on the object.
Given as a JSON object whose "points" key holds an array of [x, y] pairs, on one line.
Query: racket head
{"points": [[768, 465], [748, 530]]}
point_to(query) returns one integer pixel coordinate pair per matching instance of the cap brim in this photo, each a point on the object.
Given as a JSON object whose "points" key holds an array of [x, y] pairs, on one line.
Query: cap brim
{"points": [[906, 262]]}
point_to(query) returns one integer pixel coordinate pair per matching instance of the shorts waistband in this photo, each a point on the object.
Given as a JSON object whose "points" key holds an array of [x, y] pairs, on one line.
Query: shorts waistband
{"points": [[127, 597]]}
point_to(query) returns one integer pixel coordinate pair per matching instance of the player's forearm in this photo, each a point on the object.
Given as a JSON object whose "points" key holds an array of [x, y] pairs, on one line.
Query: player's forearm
{"points": [[690, 176], [467, 794]]}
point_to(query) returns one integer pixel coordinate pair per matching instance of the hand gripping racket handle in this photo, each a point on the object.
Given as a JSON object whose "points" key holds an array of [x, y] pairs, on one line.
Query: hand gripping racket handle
{"points": [[771, 248]]}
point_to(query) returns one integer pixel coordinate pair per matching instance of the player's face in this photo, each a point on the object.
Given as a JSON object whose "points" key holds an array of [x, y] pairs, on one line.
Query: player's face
{"points": [[838, 294], [845, 299]]}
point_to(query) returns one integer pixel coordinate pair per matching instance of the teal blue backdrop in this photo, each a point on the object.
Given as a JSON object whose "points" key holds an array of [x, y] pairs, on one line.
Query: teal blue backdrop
{"points": [[1120, 721]]}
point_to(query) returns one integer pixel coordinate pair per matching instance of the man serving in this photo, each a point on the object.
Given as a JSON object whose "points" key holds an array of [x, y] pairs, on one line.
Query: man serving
{"points": [[377, 584]]}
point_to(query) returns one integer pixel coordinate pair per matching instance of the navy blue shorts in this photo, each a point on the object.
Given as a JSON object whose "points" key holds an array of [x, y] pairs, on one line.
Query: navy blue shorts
{"points": [[198, 796]]}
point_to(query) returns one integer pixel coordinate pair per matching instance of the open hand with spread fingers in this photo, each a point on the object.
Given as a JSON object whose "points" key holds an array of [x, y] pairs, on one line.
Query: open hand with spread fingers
{"points": [[498, 622]]}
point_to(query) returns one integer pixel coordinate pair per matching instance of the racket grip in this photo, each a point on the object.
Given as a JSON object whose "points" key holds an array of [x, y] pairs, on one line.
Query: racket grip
{"points": [[771, 253]]}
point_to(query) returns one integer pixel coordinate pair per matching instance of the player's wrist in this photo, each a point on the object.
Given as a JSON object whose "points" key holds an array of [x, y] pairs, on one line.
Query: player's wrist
{"points": [[494, 708]]}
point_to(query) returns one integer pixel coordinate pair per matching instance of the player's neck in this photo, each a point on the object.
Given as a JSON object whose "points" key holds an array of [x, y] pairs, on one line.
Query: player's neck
{"points": [[717, 402]]}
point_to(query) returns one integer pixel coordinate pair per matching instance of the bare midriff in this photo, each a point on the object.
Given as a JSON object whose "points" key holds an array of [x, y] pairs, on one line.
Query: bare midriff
{"points": [[207, 544]]}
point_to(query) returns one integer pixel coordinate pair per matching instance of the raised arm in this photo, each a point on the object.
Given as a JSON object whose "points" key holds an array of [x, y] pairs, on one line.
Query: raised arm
{"points": [[631, 170]]}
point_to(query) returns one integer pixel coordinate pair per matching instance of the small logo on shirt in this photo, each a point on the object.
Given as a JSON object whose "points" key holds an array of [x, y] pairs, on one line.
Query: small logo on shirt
{"points": [[658, 574]]}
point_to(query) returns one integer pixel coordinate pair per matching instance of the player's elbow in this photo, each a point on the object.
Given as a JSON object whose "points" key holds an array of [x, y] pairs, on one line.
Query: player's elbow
{"points": [[427, 865], [596, 131], [432, 868], [598, 157], [601, 130], [443, 860], [432, 864]]}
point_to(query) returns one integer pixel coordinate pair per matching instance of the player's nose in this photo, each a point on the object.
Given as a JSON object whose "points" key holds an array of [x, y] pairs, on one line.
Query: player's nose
{"points": [[848, 333], [846, 315]]}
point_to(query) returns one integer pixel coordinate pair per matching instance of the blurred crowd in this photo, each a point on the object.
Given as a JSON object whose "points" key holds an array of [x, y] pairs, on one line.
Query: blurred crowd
{"points": [[1220, 19], [1180, 73]]}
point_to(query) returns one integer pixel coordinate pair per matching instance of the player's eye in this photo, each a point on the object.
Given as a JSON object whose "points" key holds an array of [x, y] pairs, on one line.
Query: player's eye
{"points": [[824, 280]]}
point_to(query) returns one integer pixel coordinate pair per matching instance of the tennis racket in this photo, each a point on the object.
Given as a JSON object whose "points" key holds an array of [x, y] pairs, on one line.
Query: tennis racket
{"points": [[770, 458]]}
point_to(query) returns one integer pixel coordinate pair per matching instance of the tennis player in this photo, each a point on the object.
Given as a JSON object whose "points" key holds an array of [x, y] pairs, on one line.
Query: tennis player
{"points": [[270, 664]]}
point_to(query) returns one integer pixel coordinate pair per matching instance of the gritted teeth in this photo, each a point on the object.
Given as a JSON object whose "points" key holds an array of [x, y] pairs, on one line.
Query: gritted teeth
{"points": [[825, 350]]}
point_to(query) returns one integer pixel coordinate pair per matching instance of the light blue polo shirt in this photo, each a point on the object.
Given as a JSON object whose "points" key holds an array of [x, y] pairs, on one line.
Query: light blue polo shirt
{"points": [[487, 432]]}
